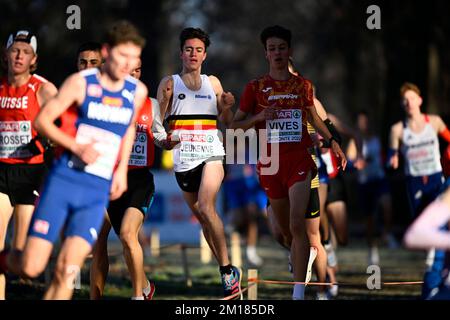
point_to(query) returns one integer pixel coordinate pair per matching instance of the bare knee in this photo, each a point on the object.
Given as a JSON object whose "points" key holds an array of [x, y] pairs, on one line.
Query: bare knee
{"points": [[205, 210], [129, 238], [32, 269]]}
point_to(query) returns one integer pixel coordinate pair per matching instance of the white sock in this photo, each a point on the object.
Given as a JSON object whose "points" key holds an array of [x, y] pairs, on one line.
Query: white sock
{"points": [[147, 289], [299, 292], [137, 298], [251, 251]]}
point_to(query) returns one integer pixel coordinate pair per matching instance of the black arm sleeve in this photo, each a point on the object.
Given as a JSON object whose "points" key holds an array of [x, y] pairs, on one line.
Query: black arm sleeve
{"points": [[333, 131]]}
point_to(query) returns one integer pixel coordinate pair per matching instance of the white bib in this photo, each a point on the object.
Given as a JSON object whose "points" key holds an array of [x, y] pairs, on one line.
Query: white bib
{"points": [[138, 156], [14, 136], [286, 128], [107, 144]]}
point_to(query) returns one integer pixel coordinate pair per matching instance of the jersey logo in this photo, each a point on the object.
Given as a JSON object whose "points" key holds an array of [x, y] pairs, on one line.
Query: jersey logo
{"points": [[41, 226], [128, 95], [181, 96], [94, 90], [265, 90], [32, 86], [314, 213]]}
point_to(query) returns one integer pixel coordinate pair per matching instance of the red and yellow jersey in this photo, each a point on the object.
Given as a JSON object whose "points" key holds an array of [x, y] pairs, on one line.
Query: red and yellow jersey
{"points": [[291, 98], [143, 152], [18, 109]]}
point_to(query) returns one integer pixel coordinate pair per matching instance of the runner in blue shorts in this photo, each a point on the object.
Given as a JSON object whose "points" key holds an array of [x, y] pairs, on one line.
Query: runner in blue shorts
{"points": [[93, 167], [416, 137]]}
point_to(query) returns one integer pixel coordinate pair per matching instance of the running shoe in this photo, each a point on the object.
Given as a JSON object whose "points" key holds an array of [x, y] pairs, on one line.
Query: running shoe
{"points": [[232, 283], [149, 296]]}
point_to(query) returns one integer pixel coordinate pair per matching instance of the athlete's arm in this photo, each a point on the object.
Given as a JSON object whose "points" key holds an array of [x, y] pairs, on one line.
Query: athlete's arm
{"points": [[320, 109], [158, 130], [45, 92], [318, 124], [425, 232], [164, 95], [71, 92], [394, 145], [440, 127], [225, 100], [119, 181]]}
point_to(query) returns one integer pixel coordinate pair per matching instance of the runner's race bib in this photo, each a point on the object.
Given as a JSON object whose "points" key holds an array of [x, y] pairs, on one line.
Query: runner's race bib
{"points": [[107, 144], [422, 160], [14, 138], [197, 144], [138, 156], [286, 128]]}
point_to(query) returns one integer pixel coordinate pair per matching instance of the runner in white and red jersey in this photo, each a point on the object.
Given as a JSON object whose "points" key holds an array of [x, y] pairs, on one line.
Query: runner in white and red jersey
{"points": [[22, 167]]}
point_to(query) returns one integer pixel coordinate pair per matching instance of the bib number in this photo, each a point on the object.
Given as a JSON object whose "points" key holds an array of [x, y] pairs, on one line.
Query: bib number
{"points": [[286, 128], [106, 143]]}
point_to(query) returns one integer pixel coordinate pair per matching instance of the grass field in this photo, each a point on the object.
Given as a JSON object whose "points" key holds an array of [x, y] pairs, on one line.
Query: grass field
{"points": [[397, 265]]}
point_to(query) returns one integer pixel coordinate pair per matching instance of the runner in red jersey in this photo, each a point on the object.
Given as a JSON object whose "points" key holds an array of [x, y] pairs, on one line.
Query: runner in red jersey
{"points": [[281, 104], [22, 167], [127, 214]]}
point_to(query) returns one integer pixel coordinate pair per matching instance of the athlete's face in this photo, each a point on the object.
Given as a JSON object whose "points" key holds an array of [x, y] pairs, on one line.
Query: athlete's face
{"points": [[193, 54], [362, 122], [20, 57], [136, 72], [411, 102], [277, 52], [89, 59], [122, 59]]}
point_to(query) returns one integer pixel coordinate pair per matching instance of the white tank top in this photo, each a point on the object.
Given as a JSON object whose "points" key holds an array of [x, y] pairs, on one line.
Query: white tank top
{"points": [[193, 119], [421, 151]]}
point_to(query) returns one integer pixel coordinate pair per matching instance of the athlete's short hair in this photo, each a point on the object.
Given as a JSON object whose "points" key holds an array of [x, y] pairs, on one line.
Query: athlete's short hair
{"points": [[122, 32], [89, 46], [277, 32], [194, 33], [409, 86]]}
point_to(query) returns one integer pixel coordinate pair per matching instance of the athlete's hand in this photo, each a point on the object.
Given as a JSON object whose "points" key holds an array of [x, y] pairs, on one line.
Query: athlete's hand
{"points": [[393, 161], [168, 90], [86, 152], [118, 185], [339, 154], [269, 113], [227, 100]]}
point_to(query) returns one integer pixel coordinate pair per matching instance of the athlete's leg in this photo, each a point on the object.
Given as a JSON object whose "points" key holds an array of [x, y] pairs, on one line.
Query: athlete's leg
{"points": [[192, 201], [284, 239], [100, 262], [22, 218], [300, 248], [252, 234], [337, 212], [6, 211], [209, 187], [324, 223], [132, 250], [35, 256], [70, 260]]}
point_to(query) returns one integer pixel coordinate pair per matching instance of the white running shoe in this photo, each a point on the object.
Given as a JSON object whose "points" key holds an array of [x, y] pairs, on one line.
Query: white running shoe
{"points": [[254, 258], [322, 296], [312, 257], [334, 290]]}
